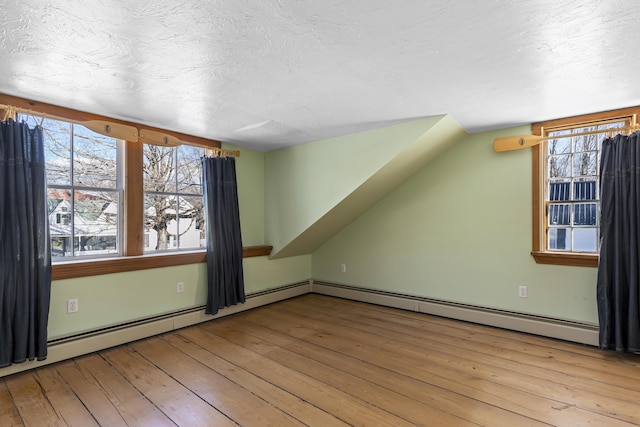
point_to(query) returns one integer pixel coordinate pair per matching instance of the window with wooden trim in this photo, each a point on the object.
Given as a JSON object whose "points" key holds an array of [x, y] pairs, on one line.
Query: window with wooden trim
{"points": [[84, 189], [113, 201], [566, 206]]}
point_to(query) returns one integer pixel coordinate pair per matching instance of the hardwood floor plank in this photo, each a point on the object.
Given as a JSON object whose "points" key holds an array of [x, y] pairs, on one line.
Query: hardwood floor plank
{"points": [[9, 415], [476, 412], [30, 400], [322, 361], [69, 408], [471, 379], [406, 406], [178, 403], [585, 393], [609, 358], [350, 410], [93, 397], [237, 403], [133, 406], [298, 408], [625, 365], [546, 364]]}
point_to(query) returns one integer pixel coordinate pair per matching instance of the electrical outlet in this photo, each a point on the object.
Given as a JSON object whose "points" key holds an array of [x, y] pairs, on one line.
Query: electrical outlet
{"points": [[523, 292], [343, 268], [180, 287], [72, 305]]}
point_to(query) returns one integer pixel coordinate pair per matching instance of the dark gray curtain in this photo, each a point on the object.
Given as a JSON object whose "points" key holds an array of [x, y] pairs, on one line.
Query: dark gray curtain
{"points": [[25, 252], [225, 276], [619, 265]]}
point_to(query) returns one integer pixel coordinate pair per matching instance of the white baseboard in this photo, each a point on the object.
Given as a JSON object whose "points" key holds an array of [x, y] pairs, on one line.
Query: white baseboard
{"points": [[583, 333], [121, 334], [87, 343]]}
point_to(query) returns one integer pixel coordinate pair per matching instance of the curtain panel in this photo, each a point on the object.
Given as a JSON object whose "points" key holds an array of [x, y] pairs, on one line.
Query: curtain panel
{"points": [[225, 277], [619, 266], [25, 252]]}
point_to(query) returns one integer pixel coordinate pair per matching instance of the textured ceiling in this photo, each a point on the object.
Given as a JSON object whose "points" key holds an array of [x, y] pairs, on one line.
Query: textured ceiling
{"points": [[267, 74]]}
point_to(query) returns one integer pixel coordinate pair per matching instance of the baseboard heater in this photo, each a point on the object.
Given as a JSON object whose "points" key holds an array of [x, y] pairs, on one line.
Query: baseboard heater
{"points": [[568, 330], [197, 310], [67, 347], [73, 345]]}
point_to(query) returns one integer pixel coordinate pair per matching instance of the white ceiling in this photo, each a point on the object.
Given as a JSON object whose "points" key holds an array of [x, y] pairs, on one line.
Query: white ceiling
{"points": [[266, 74]]}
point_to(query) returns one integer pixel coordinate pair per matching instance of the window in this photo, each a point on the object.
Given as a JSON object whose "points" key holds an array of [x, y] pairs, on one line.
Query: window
{"points": [[97, 193], [566, 186], [84, 189], [85, 192], [174, 207]]}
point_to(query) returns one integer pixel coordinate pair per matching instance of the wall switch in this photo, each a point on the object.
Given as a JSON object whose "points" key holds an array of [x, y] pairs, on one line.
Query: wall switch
{"points": [[180, 287], [523, 292], [72, 305], [343, 268]]}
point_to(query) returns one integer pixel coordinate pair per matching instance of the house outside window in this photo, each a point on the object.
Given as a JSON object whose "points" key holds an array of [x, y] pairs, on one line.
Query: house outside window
{"points": [[85, 193], [566, 188], [73, 200], [174, 206], [84, 189]]}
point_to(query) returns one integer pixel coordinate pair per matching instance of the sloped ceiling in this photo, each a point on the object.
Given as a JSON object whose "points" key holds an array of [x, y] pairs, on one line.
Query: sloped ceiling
{"points": [[333, 181], [268, 74]]}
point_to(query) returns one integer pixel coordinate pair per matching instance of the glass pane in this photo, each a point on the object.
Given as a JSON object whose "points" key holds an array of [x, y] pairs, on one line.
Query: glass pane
{"points": [[559, 190], [94, 158], [95, 223], [559, 214], [57, 151], [560, 166], [584, 214], [559, 146], [585, 164], [192, 223], [160, 221], [189, 169], [585, 239], [613, 125], [559, 239], [559, 132], [59, 208], [587, 142], [585, 190], [159, 168]]}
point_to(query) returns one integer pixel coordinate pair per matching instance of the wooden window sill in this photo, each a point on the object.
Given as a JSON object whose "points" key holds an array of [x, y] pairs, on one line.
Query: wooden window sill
{"points": [[571, 259], [96, 267]]}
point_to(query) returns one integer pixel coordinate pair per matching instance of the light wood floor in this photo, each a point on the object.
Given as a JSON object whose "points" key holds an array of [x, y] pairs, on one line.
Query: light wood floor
{"points": [[322, 361]]}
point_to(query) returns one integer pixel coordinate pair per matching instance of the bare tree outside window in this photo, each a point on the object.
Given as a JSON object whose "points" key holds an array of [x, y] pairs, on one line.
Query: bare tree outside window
{"points": [[174, 208], [85, 189]]}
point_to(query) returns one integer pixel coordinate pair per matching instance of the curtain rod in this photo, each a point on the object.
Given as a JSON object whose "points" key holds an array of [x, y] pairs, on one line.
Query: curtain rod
{"points": [[118, 130], [510, 143], [221, 152], [9, 113]]}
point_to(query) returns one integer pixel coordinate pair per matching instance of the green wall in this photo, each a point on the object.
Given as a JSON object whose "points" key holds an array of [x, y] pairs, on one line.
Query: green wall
{"points": [[250, 176], [306, 181], [121, 297], [459, 230]]}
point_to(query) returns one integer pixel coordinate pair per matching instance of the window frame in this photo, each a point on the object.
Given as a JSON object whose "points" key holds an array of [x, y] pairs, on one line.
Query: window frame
{"points": [[179, 195], [133, 257], [73, 187], [539, 212]]}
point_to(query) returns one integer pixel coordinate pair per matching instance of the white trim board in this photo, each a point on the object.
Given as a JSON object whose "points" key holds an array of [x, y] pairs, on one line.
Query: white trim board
{"points": [[91, 342], [81, 344], [583, 333]]}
